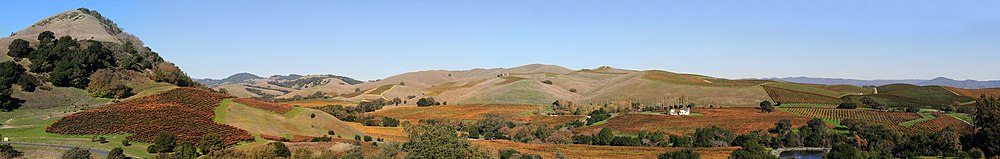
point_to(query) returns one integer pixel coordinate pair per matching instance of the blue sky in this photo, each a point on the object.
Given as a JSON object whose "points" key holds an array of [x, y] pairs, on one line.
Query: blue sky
{"points": [[732, 39]]}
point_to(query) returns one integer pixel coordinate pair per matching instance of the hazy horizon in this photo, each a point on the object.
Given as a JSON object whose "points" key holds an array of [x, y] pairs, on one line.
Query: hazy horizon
{"points": [[737, 39]]}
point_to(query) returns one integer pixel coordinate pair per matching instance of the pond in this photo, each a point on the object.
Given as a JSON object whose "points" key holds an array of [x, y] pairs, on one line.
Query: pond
{"points": [[803, 154]]}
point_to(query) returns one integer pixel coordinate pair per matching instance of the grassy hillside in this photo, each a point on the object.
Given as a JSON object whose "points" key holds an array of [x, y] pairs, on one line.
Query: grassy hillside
{"points": [[458, 111], [319, 102], [298, 121], [519, 92], [658, 91]]}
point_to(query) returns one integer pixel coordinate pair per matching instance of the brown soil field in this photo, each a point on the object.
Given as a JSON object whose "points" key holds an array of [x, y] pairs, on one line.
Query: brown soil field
{"points": [[738, 120], [578, 151], [552, 120], [457, 111]]}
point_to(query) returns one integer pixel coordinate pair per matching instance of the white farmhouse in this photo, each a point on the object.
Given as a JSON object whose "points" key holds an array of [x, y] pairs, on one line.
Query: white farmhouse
{"points": [[682, 111]]}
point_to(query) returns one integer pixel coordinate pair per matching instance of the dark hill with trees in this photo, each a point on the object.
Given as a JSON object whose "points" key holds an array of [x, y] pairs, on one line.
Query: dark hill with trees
{"points": [[85, 50]]}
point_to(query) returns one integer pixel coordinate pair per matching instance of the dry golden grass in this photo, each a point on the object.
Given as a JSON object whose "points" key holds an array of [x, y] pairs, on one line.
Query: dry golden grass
{"points": [[578, 151], [299, 121], [381, 89], [355, 94], [738, 120], [435, 90], [457, 112], [674, 77], [599, 71], [319, 102], [509, 79]]}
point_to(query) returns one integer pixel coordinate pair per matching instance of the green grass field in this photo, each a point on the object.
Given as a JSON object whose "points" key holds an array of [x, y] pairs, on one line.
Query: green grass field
{"points": [[28, 126], [962, 116], [298, 121], [924, 117], [220, 112]]}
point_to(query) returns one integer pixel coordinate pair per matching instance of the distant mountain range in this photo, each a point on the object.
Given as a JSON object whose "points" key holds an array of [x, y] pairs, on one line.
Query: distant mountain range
{"points": [[236, 78], [940, 81], [249, 78]]}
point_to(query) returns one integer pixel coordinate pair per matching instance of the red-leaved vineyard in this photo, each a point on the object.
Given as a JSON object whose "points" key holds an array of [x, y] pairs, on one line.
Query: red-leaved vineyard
{"points": [[185, 112]]}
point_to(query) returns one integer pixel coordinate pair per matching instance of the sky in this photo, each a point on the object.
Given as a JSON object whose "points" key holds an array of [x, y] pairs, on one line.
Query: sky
{"points": [[891, 39]]}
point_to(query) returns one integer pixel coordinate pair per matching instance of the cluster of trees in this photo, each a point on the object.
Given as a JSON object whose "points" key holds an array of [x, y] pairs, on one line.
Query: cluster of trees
{"points": [[367, 138], [7, 151], [12, 73], [429, 101], [597, 116], [370, 106], [564, 107], [76, 153], [847, 105], [494, 126], [340, 112], [766, 106], [263, 96], [987, 121], [378, 121], [352, 114], [300, 83], [166, 145], [436, 139], [874, 104], [607, 137], [70, 62], [109, 83]]}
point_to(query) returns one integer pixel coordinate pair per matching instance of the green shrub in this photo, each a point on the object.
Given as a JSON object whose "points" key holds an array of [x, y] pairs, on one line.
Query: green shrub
{"points": [[281, 150], [547, 82], [19, 48], [7, 151], [76, 153], [117, 153], [423, 102]]}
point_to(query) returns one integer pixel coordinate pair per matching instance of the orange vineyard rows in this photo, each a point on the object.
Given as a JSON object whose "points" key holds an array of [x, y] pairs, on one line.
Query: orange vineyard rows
{"points": [[185, 112], [941, 122], [890, 120]]}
